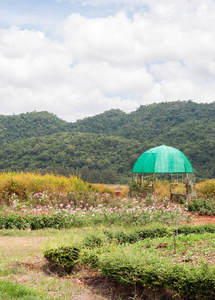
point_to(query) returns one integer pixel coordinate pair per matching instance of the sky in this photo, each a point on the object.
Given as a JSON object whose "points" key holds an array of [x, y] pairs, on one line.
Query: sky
{"points": [[79, 58]]}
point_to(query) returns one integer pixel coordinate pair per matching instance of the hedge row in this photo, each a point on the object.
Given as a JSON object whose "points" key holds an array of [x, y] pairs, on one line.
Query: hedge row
{"points": [[186, 280], [137, 234], [124, 264]]}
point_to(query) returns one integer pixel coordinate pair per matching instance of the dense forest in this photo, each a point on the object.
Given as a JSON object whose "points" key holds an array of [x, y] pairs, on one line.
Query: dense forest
{"points": [[104, 148]]}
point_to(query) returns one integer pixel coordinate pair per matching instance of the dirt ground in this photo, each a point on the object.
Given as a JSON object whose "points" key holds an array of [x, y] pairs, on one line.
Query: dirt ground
{"points": [[200, 220]]}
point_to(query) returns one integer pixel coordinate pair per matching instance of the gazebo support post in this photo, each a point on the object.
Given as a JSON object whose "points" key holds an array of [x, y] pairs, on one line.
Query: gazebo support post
{"points": [[130, 190], [187, 185], [153, 184]]}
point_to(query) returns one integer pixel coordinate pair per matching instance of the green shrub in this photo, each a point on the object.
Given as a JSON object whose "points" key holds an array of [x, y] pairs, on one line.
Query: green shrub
{"points": [[202, 205], [137, 234], [133, 264], [144, 270], [196, 229], [64, 257], [92, 241], [89, 257], [134, 235]]}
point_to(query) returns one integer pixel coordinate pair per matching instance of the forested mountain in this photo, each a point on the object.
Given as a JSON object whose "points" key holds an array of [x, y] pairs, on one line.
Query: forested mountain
{"points": [[22, 126], [105, 147], [154, 121], [68, 152]]}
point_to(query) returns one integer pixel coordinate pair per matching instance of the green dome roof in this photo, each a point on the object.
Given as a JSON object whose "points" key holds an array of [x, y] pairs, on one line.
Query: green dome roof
{"points": [[163, 159]]}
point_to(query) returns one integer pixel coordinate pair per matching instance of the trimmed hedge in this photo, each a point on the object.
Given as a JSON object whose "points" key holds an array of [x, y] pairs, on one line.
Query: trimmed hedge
{"points": [[137, 234], [155, 273], [64, 257], [127, 264]]}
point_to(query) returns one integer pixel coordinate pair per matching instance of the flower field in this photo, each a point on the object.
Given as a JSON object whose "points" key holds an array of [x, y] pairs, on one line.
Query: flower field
{"points": [[122, 212], [35, 201]]}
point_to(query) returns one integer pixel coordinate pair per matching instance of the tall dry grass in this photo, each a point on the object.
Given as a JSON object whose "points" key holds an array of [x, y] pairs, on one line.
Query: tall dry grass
{"points": [[206, 188], [22, 184]]}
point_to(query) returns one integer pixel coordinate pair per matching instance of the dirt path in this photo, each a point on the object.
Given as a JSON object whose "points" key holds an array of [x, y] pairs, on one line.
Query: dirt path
{"points": [[23, 258], [200, 220]]}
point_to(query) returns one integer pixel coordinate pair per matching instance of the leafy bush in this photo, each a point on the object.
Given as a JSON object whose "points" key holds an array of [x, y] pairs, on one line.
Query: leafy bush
{"points": [[92, 241], [89, 257], [131, 267], [64, 257], [202, 205], [133, 264], [134, 235], [196, 229], [137, 234]]}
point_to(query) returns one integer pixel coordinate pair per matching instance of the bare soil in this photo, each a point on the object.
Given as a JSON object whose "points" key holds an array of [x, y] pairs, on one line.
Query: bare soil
{"points": [[198, 220]]}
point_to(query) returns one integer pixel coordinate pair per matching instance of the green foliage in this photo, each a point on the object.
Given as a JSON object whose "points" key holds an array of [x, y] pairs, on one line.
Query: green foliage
{"points": [[156, 273], [134, 235], [13, 219], [64, 257], [185, 125], [202, 205], [92, 241], [89, 257], [37, 124], [186, 230], [97, 158]]}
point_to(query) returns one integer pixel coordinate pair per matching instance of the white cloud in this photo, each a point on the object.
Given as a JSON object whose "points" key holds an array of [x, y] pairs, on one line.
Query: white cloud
{"points": [[166, 53]]}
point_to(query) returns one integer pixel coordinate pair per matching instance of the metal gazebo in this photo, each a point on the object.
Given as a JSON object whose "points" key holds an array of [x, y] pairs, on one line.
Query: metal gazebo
{"points": [[163, 160]]}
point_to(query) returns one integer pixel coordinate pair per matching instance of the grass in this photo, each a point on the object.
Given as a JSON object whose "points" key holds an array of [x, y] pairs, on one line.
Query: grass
{"points": [[22, 267], [193, 248], [11, 290]]}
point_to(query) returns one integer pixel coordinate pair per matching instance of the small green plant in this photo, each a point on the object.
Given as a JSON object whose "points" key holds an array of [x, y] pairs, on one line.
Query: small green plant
{"points": [[89, 257], [92, 241], [63, 257]]}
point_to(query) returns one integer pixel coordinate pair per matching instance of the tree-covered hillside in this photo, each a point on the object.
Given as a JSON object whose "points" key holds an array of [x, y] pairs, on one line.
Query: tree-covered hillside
{"points": [[151, 121], [16, 127], [70, 152], [108, 143]]}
